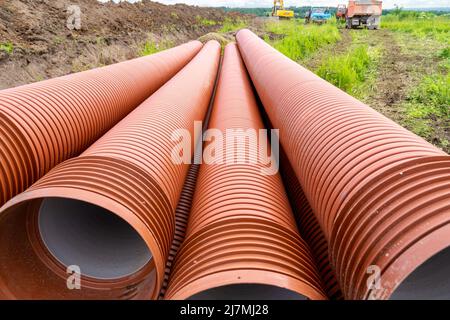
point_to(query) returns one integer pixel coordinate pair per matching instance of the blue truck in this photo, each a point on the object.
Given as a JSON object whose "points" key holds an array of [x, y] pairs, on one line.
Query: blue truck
{"points": [[317, 15]]}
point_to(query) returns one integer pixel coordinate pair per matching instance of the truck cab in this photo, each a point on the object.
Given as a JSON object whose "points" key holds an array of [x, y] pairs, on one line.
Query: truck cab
{"points": [[341, 11], [317, 15]]}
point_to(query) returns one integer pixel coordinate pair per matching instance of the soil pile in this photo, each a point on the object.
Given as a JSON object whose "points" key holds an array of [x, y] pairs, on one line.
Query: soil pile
{"points": [[36, 43]]}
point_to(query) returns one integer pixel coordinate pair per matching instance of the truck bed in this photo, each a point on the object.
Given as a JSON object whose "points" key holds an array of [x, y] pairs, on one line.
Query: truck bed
{"points": [[364, 8]]}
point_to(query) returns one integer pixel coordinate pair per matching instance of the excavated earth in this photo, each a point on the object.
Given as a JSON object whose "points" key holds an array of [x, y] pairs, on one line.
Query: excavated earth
{"points": [[43, 47]]}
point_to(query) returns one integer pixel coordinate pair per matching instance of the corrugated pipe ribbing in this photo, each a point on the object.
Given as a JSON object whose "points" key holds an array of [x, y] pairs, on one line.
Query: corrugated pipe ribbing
{"points": [[45, 123], [380, 193], [185, 203], [241, 233], [109, 213], [181, 221], [309, 228]]}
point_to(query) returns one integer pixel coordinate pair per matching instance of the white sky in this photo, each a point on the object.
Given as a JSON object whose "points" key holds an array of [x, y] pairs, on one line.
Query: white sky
{"points": [[268, 3]]}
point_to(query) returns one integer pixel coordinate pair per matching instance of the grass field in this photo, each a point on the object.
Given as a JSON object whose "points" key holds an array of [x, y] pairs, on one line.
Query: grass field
{"points": [[401, 70], [427, 104], [232, 25], [419, 24], [298, 41], [350, 70]]}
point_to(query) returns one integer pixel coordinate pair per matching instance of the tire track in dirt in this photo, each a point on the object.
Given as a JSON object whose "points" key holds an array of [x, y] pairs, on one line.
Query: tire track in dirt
{"points": [[400, 69], [393, 77]]}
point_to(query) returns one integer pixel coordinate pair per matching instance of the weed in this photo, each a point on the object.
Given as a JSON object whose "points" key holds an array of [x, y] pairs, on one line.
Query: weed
{"points": [[151, 47], [431, 97], [348, 71], [169, 28], [427, 108], [38, 78], [358, 35], [100, 41], [444, 66], [445, 53], [299, 41], [7, 47], [174, 15], [420, 24], [58, 40], [205, 22], [232, 25]]}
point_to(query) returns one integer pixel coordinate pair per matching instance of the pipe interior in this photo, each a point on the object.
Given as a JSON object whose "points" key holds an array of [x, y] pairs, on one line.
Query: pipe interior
{"points": [[430, 281], [101, 243], [247, 292]]}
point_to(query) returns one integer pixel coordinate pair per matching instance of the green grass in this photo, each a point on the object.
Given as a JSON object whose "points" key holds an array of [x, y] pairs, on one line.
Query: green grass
{"points": [[232, 25], [420, 24], [431, 97], [445, 53], [151, 47], [349, 71], [428, 104], [297, 41], [7, 47], [205, 22], [444, 65]]}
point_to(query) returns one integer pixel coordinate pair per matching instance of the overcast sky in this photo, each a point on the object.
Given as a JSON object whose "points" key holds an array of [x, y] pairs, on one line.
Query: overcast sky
{"points": [[268, 3]]}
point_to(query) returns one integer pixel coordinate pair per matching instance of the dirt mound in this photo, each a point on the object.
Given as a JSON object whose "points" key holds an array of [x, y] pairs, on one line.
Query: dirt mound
{"points": [[38, 45]]}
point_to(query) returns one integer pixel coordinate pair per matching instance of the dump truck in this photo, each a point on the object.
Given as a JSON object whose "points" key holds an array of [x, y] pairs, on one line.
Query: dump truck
{"points": [[341, 10], [317, 15], [363, 13], [279, 11]]}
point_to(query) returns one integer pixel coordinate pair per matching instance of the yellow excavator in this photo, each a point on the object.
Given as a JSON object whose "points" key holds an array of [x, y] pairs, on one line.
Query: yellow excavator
{"points": [[279, 11]]}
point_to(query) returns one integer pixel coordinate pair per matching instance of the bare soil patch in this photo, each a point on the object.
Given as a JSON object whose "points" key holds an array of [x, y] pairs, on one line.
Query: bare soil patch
{"points": [[43, 47]]}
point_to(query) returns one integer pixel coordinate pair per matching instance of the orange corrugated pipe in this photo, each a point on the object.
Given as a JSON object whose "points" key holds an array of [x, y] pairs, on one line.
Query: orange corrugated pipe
{"points": [[45, 123], [241, 231], [110, 211], [309, 228], [380, 193]]}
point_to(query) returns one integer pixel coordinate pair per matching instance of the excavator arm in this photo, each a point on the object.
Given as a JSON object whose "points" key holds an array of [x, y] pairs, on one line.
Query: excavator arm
{"points": [[279, 11]]}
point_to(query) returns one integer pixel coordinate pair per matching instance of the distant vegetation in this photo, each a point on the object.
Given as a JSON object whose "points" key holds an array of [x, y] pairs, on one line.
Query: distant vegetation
{"points": [[421, 24], [234, 24], [417, 12], [298, 41], [205, 22], [300, 11], [265, 12]]}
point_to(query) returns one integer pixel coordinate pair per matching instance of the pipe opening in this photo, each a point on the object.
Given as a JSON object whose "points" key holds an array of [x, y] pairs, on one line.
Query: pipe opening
{"points": [[430, 281], [101, 243], [248, 292]]}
